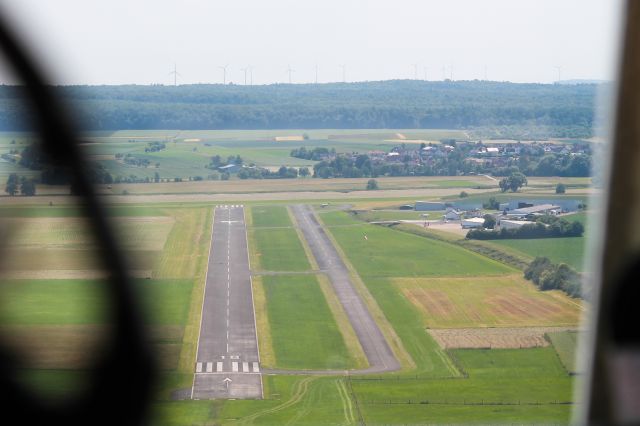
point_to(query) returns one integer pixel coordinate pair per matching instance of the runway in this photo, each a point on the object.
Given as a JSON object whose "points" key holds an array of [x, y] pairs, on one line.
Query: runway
{"points": [[228, 360], [379, 354]]}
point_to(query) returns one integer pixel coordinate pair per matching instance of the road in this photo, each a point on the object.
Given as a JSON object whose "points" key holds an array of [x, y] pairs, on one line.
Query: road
{"points": [[228, 361], [379, 354]]}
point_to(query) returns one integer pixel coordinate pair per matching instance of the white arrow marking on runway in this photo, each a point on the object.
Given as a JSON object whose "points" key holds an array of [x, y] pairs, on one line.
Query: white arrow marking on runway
{"points": [[227, 381]]}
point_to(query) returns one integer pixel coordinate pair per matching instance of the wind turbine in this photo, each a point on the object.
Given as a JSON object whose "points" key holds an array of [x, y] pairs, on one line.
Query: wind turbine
{"points": [[245, 74], [415, 71], [175, 74], [290, 70], [344, 72], [316, 73], [224, 73], [559, 68], [250, 75], [425, 73]]}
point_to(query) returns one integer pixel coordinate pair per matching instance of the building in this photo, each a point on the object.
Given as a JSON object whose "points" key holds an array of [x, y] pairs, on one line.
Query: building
{"points": [[473, 222], [541, 209], [453, 214], [514, 224], [230, 168], [426, 206]]}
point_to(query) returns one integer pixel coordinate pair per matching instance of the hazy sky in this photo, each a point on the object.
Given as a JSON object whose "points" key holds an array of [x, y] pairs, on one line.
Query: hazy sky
{"points": [[138, 41]]}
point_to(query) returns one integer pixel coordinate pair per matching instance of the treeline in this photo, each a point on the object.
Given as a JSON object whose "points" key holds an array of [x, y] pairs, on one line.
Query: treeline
{"points": [[578, 165], [547, 275], [555, 229], [554, 110], [282, 173], [315, 154]]}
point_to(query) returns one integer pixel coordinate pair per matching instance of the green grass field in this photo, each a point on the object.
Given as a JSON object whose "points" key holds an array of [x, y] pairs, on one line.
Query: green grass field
{"points": [[270, 216], [303, 330], [278, 249], [566, 344], [568, 250], [380, 251]]}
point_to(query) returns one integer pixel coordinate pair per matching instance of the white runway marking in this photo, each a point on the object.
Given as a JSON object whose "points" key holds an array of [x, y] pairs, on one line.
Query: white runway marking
{"points": [[219, 366], [209, 367], [256, 368], [245, 367], [234, 367], [199, 367]]}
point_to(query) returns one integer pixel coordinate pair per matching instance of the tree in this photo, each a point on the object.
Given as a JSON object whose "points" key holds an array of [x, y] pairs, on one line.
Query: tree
{"points": [[372, 184], [28, 187], [12, 184], [463, 194], [492, 204], [156, 177], [225, 176], [304, 171], [489, 221], [561, 188], [513, 182]]}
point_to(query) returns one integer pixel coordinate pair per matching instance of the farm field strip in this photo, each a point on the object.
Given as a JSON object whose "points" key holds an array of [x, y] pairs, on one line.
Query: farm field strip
{"points": [[493, 301], [493, 338]]}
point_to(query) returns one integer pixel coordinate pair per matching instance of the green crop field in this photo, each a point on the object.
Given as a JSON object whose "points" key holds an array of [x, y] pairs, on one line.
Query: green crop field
{"points": [[303, 330], [569, 250], [566, 344], [380, 251], [268, 216], [278, 249]]}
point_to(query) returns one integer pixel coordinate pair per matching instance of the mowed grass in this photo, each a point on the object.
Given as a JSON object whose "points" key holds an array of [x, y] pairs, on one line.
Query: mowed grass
{"points": [[270, 216], [566, 343], [303, 331], [31, 302], [489, 301], [381, 251], [495, 377], [277, 249], [569, 250]]}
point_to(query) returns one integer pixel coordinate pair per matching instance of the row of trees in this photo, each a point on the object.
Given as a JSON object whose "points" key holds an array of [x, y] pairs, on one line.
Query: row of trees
{"points": [[556, 110], [557, 229], [547, 275], [282, 173], [315, 154]]}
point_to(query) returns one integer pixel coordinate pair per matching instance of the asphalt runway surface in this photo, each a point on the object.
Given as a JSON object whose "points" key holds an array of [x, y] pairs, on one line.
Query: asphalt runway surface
{"points": [[375, 346], [228, 362]]}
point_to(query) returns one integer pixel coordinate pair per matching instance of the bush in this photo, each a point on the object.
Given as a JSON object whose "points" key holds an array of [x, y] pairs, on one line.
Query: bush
{"points": [[561, 188], [463, 194], [549, 276], [372, 184]]}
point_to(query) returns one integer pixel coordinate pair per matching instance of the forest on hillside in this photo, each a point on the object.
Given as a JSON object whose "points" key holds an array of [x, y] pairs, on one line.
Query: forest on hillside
{"points": [[494, 109]]}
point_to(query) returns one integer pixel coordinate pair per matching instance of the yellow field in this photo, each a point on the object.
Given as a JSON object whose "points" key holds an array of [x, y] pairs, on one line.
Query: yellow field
{"points": [[493, 301]]}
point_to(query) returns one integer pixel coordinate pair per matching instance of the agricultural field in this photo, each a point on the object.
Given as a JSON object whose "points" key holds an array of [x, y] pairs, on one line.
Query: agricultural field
{"points": [[569, 250], [56, 316], [565, 344], [488, 301]]}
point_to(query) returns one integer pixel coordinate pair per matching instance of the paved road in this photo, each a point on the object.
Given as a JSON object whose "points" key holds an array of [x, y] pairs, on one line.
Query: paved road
{"points": [[373, 343], [228, 362]]}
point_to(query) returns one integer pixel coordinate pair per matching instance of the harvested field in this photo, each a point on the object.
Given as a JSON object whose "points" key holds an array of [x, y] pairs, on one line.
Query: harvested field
{"points": [[141, 233], [489, 301], [493, 338]]}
